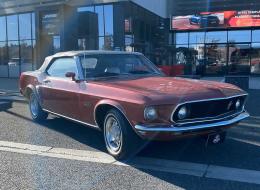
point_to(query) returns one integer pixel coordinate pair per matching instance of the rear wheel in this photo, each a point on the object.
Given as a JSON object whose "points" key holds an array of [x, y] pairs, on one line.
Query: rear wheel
{"points": [[121, 141], [35, 109]]}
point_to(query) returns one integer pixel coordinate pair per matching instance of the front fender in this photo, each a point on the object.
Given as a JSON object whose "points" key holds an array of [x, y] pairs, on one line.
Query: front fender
{"points": [[114, 104]]}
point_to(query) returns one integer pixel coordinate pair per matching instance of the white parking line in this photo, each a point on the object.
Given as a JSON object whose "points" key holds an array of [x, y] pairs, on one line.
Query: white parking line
{"points": [[187, 168]]}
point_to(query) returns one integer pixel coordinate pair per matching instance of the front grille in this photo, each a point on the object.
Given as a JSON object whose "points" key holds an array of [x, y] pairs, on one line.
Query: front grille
{"points": [[209, 108]]}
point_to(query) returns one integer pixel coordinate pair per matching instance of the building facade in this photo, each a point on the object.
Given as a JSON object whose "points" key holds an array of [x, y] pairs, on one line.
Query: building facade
{"points": [[216, 37], [34, 29]]}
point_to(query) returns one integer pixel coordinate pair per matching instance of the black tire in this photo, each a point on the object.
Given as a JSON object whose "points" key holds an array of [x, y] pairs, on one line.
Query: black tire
{"points": [[131, 143], [37, 114]]}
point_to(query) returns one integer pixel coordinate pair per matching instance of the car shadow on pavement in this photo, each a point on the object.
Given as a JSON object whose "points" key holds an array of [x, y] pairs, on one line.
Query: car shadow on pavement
{"points": [[83, 134]]}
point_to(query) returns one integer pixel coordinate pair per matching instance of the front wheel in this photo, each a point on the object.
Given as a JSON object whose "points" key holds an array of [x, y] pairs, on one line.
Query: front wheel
{"points": [[121, 141], [35, 109]]}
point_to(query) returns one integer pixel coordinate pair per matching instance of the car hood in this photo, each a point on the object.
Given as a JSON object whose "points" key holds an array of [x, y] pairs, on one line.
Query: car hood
{"points": [[169, 88]]}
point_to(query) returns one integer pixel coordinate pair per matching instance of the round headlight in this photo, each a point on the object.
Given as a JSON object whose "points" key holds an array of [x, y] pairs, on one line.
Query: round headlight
{"points": [[183, 112], [150, 113], [238, 104]]}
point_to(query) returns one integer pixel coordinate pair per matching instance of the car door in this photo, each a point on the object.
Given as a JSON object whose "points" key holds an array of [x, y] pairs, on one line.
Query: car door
{"points": [[59, 94]]}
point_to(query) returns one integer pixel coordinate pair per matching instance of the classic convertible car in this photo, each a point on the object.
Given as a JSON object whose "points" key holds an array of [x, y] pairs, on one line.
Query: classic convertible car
{"points": [[129, 99]]}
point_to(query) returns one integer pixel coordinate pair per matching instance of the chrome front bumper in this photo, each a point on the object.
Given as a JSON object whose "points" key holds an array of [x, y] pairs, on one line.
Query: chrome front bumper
{"points": [[192, 127]]}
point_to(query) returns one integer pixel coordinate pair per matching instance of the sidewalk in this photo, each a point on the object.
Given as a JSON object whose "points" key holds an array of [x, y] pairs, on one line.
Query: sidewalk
{"points": [[9, 90], [9, 85]]}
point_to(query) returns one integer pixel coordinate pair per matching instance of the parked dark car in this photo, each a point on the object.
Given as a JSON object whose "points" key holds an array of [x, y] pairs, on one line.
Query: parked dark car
{"points": [[205, 20], [129, 99]]}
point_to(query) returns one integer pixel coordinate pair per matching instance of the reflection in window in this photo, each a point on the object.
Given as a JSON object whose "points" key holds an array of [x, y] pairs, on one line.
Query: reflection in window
{"points": [[216, 59], [239, 36], [34, 54], [25, 26], [182, 38], [101, 44], [108, 43], [108, 15], [196, 59], [256, 36], [99, 11], [197, 37], [255, 58], [3, 60], [239, 59], [14, 59], [216, 37], [3, 53], [33, 26], [26, 55], [56, 44], [12, 27], [182, 55], [3, 28]]}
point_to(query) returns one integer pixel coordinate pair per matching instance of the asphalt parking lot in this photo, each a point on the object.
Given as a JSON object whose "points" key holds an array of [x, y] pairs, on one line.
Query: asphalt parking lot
{"points": [[59, 154]]}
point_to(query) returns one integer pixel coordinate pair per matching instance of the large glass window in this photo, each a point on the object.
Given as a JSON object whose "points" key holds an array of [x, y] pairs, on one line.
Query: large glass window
{"points": [[108, 15], [216, 59], [25, 26], [255, 58], [102, 37], [100, 12], [239, 59], [2, 28], [12, 27], [14, 58], [256, 36], [197, 37], [216, 37], [197, 58], [26, 55], [239, 36], [182, 38], [17, 44], [3, 60]]}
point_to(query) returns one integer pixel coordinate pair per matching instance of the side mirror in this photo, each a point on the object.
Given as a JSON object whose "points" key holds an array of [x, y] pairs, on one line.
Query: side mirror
{"points": [[71, 75]]}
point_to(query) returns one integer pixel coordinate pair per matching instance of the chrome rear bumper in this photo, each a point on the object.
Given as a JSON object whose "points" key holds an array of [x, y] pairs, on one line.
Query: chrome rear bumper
{"points": [[192, 127]]}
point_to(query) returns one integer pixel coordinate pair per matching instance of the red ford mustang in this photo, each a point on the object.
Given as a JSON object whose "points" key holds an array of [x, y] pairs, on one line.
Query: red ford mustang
{"points": [[129, 99]]}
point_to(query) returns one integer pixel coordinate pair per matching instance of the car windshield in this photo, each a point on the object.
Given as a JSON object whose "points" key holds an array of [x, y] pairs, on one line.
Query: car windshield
{"points": [[111, 65]]}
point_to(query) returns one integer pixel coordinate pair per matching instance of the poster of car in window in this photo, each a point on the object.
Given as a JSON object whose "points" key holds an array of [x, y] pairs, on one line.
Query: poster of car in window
{"points": [[224, 19]]}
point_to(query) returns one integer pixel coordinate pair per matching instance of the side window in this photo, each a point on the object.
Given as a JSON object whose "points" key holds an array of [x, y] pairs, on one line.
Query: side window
{"points": [[61, 66]]}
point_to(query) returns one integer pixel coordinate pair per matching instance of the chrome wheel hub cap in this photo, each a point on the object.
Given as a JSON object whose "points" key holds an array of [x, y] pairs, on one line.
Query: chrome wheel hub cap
{"points": [[113, 134], [34, 105]]}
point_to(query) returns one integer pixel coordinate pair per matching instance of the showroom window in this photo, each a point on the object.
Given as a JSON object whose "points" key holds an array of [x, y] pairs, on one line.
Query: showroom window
{"points": [[232, 52], [256, 36], [17, 44], [197, 37], [216, 37], [105, 32], [182, 38], [239, 36]]}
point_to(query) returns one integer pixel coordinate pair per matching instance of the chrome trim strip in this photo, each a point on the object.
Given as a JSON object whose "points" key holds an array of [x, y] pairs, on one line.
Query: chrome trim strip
{"points": [[69, 118], [172, 128], [204, 100], [207, 120]]}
